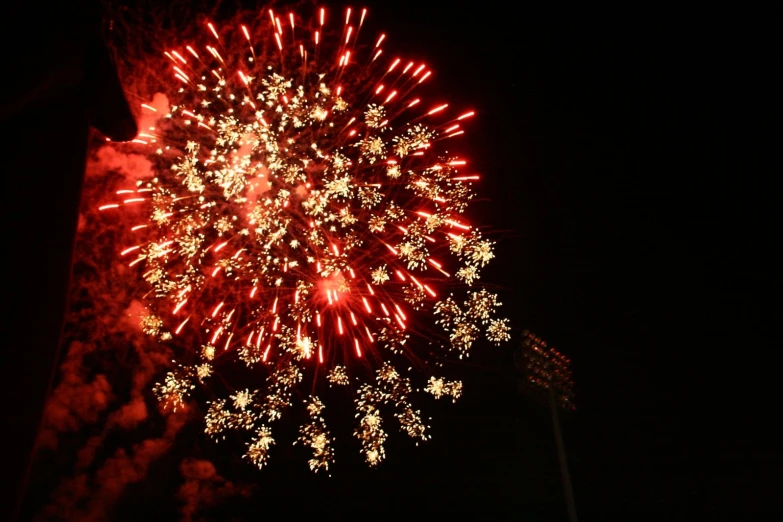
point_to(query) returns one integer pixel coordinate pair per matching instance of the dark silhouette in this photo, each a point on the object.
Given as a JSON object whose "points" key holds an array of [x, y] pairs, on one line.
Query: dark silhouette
{"points": [[58, 80]]}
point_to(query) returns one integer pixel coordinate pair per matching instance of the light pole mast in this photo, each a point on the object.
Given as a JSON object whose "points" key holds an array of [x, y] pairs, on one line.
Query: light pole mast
{"points": [[546, 374]]}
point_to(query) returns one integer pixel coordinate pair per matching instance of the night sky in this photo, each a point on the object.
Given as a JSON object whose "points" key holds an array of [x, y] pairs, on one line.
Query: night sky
{"points": [[620, 154]]}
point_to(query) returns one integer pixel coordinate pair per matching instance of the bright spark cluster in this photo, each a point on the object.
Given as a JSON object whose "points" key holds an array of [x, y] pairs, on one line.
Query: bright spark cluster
{"points": [[303, 215]]}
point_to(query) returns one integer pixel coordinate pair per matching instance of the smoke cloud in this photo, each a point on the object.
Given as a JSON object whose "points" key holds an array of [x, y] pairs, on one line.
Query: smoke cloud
{"points": [[101, 413], [86, 497], [109, 367], [204, 488]]}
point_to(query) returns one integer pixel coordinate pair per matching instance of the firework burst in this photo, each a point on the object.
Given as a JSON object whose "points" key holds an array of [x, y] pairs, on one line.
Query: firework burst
{"points": [[305, 222]]}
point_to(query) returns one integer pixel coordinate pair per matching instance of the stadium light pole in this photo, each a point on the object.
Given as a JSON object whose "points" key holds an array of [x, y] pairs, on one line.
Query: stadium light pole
{"points": [[547, 375]]}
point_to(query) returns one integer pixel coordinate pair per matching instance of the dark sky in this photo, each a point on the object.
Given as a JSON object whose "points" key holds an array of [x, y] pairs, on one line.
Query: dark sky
{"points": [[623, 153], [620, 154]]}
